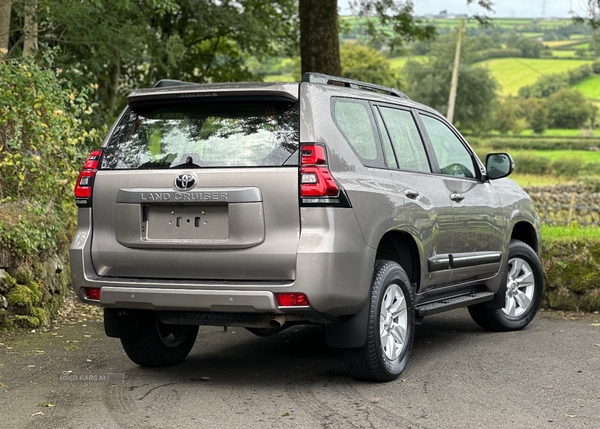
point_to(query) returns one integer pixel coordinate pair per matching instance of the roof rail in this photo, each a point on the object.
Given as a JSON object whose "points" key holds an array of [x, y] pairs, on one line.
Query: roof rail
{"points": [[170, 82], [325, 79]]}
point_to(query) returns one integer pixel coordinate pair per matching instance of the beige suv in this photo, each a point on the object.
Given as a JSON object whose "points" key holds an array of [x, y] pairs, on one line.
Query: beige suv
{"points": [[264, 205]]}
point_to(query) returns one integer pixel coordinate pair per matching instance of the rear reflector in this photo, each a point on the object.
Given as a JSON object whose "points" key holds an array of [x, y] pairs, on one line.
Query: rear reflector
{"points": [[293, 299], [92, 293]]}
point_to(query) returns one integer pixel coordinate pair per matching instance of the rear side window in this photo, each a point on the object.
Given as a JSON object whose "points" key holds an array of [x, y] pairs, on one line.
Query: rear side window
{"points": [[353, 118], [207, 133], [406, 140]]}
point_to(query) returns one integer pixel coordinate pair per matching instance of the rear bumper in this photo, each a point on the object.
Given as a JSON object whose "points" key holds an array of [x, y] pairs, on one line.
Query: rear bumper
{"points": [[159, 298], [333, 268]]}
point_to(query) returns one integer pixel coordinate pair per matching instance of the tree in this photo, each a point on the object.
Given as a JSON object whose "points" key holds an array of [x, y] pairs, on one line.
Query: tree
{"points": [[593, 14], [394, 23], [5, 9], [595, 43], [319, 42], [568, 109], [545, 86], [120, 45], [506, 115], [398, 25], [30, 28], [429, 83], [366, 64], [539, 119], [529, 48]]}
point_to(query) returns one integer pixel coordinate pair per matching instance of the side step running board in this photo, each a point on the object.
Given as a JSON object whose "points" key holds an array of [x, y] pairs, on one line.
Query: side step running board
{"points": [[452, 303]]}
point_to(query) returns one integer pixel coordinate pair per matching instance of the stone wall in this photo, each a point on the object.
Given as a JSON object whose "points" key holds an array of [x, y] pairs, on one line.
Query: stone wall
{"points": [[31, 291], [571, 265], [562, 204]]}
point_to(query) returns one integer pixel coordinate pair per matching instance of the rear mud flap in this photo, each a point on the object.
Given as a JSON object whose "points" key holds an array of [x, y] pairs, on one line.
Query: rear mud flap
{"points": [[351, 333], [119, 323]]}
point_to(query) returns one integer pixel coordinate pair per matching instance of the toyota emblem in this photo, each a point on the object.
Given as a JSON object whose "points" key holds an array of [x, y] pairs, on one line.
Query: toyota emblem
{"points": [[185, 181]]}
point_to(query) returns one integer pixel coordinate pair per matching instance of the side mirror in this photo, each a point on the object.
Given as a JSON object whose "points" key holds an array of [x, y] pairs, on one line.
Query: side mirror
{"points": [[498, 165]]}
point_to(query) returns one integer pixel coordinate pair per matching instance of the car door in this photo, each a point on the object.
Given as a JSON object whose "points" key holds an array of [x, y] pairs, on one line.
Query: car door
{"points": [[427, 205], [479, 224]]}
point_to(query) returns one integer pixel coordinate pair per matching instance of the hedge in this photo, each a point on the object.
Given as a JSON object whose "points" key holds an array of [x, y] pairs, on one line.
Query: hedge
{"points": [[537, 143]]}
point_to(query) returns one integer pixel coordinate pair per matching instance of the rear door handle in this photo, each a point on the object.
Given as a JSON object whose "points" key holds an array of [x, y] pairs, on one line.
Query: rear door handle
{"points": [[411, 193], [455, 196]]}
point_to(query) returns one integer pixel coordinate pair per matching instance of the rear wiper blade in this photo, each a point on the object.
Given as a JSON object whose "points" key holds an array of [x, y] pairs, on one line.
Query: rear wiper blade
{"points": [[189, 162]]}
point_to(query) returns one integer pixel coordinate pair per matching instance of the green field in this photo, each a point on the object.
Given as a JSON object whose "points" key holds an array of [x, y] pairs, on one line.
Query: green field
{"points": [[513, 73], [399, 62], [556, 44], [563, 53], [564, 231], [279, 78], [587, 156], [582, 46], [532, 35], [560, 132], [590, 87], [539, 180]]}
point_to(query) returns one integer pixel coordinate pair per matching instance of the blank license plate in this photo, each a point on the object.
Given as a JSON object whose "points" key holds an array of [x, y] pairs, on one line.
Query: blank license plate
{"points": [[187, 222]]}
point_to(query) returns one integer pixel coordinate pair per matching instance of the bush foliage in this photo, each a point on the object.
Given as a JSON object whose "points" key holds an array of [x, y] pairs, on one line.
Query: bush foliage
{"points": [[43, 140], [543, 143], [531, 164], [571, 265]]}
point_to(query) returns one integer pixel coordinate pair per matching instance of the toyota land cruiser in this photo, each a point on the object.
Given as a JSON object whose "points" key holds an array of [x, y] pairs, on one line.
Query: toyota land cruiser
{"points": [[264, 205]]}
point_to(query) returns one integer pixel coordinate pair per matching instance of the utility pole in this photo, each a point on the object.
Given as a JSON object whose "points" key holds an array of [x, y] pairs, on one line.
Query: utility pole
{"points": [[543, 8], [454, 84]]}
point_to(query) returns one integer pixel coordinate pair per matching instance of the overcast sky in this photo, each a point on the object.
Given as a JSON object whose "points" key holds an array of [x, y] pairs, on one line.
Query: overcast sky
{"points": [[503, 8]]}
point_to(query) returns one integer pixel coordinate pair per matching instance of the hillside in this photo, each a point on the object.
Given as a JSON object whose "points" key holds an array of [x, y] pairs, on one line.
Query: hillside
{"points": [[513, 73], [566, 47], [590, 87]]}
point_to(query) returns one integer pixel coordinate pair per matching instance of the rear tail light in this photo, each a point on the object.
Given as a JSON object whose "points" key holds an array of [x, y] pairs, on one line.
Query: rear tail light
{"points": [[85, 181], [317, 185], [293, 299]]}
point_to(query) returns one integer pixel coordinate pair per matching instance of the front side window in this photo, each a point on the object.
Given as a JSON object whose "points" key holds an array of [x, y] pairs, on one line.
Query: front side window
{"points": [[453, 157], [240, 133]]}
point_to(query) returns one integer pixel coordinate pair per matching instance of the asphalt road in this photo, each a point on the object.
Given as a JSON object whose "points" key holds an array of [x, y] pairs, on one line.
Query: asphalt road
{"points": [[546, 376]]}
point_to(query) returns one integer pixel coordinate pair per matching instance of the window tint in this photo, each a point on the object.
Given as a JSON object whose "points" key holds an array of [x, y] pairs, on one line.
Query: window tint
{"points": [[353, 119], [403, 131], [240, 133], [453, 157]]}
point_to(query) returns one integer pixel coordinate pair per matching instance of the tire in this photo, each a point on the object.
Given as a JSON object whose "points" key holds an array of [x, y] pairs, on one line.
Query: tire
{"points": [[157, 344], [524, 284], [389, 339]]}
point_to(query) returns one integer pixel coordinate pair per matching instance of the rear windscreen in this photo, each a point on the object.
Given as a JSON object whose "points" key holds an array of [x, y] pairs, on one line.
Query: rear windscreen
{"points": [[208, 133]]}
